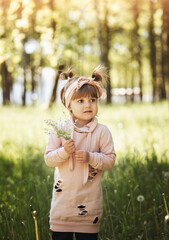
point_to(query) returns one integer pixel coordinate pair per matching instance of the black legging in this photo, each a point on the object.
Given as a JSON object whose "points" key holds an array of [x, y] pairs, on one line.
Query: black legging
{"points": [[69, 236]]}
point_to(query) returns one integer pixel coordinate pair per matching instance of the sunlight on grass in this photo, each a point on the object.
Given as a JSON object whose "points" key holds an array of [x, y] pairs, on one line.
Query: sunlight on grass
{"points": [[133, 200]]}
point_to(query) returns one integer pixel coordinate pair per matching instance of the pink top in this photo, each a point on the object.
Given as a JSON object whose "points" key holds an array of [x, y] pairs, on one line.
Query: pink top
{"points": [[77, 193]]}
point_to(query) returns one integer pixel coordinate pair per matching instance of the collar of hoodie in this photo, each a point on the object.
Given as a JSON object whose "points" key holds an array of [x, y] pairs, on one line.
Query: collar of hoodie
{"points": [[88, 128]]}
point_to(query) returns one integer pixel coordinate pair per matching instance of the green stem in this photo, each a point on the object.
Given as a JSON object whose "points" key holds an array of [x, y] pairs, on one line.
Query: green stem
{"points": [[165, 204], [34, 215], [157, 226], [128, 206], [146, 232], [36, 228], [111, 221]]}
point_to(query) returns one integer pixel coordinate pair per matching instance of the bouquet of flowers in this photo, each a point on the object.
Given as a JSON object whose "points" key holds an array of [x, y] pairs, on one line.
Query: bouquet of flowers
{"points": [[62, 128]]}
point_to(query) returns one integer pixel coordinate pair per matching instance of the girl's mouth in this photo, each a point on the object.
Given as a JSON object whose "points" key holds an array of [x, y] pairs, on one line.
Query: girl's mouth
{"points": [[87, 111]]}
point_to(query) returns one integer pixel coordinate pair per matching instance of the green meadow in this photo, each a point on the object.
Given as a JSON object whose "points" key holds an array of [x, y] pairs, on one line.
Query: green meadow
{"points": [[136, 190]]}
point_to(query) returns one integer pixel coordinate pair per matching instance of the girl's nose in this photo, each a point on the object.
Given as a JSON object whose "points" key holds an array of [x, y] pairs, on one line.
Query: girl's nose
{"points": [[87, 104]]}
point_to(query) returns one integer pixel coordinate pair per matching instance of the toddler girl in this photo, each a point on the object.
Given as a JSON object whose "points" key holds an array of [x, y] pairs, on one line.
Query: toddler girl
{"points": [[79, 162]]}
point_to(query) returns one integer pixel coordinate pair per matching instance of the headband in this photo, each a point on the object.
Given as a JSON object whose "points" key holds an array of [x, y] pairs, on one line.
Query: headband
{"points": [[75, 86]]}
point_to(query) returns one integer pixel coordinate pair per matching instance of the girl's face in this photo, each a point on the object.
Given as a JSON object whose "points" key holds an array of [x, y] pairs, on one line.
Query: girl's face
{"points": [[83, 110]]}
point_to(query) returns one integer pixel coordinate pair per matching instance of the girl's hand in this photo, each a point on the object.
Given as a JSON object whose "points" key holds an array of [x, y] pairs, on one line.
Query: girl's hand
{"points": [[81, 156], [69, 146]]}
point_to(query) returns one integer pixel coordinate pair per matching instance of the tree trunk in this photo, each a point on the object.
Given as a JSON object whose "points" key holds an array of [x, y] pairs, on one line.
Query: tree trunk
{"points": [[132, 84], [158, 66], [24, 76], [33, 84], [165, 49], [6, 83], [164, 69], [103, 32], [137, 45], [54, 91], [152, 50]]}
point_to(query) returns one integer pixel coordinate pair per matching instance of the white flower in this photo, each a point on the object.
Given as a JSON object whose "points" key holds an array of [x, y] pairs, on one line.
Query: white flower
{"points": [[62, 128], [166, 175], [167, 218], [166, 222], [140, 198]]}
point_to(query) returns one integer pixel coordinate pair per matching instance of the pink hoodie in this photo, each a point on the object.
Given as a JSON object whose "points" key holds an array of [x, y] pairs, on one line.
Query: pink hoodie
{"points": [[77, 193]]}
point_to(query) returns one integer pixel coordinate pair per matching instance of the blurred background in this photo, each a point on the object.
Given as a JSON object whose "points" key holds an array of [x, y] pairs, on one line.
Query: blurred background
{"points": [[38, 39]]}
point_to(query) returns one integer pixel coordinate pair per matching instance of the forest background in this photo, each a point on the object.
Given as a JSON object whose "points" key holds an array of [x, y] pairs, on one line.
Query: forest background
{"points": [[130, 38], [38, 40]]}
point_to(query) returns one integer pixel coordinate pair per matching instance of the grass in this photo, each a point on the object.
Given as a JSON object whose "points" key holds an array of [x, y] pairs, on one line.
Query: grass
{"points": [[134, 207]]}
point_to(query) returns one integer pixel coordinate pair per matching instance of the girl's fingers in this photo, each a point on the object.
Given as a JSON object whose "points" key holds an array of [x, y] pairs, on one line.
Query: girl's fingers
{"points": [[70, 141], [71, 146], [79, 157]]}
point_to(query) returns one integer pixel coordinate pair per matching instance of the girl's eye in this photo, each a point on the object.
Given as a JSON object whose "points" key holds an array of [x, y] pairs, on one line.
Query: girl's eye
{"points": [[92, 100], [80, 101]]}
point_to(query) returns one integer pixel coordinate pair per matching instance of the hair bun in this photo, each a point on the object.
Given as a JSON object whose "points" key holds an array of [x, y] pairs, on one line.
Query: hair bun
{"points": [[69, 74], [97, 77], [100, 74]]}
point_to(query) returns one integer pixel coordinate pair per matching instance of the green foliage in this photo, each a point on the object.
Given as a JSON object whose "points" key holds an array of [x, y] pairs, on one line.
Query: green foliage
{"points": [[133, 198], [133, 203]]}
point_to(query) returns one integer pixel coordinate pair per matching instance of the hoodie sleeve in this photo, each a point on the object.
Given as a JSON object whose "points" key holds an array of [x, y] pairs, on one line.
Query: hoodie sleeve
{"points": [[105, 159], [55, 153]]}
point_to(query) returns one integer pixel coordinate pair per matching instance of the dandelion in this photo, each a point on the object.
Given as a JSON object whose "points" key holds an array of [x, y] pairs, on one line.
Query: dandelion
{"points": [[166, 176], [166, 223], [139, 237], [129, 196], [140, 198], [62, 128], [165, 204], [23, 224], [34, 215], [166, 219]]}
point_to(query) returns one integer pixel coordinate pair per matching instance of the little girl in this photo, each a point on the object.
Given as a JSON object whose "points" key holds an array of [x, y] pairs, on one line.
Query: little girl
{"points": [[79, 162]]}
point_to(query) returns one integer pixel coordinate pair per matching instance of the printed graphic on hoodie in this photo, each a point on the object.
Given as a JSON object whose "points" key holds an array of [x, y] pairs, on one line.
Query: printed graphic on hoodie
{"points": [[82, 210], [92, 173], [58, 185]]}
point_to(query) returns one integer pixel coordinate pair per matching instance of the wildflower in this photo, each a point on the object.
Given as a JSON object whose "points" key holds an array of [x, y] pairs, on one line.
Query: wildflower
{"points": [[166, 222], [62, 128], [166, 219], [139, 237], [23, 224], [166, 175], [129, 196], [34, 215], [140, 198], [165, 204]]}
